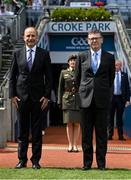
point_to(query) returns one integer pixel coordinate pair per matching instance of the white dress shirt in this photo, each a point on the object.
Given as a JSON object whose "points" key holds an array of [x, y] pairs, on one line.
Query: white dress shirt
{"points": [[117, 85]]}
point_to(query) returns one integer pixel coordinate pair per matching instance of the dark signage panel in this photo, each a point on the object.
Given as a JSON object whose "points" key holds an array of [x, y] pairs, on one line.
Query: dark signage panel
{"points": [[76, 43]]}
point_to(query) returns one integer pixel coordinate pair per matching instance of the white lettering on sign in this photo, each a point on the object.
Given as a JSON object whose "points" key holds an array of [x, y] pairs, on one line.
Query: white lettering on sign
{"points": [[62, 27], [78, 41], [100, 26], [67, 27]]}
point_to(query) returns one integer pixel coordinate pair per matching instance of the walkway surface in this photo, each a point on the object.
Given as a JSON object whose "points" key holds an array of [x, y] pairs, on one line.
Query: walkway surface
{"points": [[54, 152]]}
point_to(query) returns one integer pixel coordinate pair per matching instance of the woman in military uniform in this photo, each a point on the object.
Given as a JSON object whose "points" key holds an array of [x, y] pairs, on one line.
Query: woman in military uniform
{"points": [[68, 99]]}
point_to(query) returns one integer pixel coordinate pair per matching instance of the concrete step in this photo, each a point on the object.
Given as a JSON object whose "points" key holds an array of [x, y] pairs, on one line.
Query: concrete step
{"points": [[6, 64], [6, 60], [6, 56], [20, 42], [2, 73], [8, 51], [4, 69]]}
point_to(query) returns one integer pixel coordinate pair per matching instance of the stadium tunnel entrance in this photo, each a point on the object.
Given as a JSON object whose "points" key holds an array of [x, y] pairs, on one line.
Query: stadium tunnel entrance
{"points": [[62, 40]]}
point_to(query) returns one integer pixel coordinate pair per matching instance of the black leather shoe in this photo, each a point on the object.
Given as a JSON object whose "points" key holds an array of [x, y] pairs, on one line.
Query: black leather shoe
{"points": [[110, 138], [36, 166], [101, 168], [122, 138], [20, 165], [86, 168]]}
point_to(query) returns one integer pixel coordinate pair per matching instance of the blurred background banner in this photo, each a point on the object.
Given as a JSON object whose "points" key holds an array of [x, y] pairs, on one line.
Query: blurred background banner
{"points": [[127, 121]]}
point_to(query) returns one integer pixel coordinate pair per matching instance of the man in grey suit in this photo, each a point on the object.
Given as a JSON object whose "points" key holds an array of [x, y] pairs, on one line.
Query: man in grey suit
{"points": [[29, 90], [95, 70]]}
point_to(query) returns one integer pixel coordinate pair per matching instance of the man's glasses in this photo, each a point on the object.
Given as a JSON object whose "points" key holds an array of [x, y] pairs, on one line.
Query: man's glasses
{"points": [[94, 39]]}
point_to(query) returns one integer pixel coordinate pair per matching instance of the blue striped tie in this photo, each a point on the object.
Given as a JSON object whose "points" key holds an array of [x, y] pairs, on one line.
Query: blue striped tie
{"points": [[29, 61], [94, 63], [117, 84]]}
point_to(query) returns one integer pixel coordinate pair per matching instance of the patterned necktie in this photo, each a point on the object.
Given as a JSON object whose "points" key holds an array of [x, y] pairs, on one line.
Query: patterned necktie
{"points": [[29, 61], [94, 63], [117, 84]]}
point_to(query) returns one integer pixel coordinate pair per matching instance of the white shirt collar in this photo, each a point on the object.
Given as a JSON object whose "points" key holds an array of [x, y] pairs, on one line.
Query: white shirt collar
{"points": [[98, 52], [34, 48], [118, 72]]}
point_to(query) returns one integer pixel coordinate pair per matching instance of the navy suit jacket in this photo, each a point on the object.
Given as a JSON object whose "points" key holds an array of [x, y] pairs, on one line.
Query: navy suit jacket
{"points": [[35, 83], [125, 88], [98, 85]]}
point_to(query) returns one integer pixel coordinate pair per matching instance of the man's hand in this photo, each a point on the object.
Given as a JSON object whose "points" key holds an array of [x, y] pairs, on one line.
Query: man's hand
{"points": [[127, 103], [60, 106], [44, 103], [15, 100]]}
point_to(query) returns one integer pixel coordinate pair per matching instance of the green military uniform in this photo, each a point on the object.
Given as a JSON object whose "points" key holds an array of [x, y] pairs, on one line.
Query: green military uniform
{"points": [[68, 96]]}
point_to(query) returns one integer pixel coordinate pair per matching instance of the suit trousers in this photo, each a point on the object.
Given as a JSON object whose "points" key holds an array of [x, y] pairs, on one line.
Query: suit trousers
{"points": [[29, 116], [117, 105], [94, 118]]}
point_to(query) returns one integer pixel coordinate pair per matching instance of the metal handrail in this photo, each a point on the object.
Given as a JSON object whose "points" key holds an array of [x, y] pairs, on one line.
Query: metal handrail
{"points": [[5, 80], [125, 41]]}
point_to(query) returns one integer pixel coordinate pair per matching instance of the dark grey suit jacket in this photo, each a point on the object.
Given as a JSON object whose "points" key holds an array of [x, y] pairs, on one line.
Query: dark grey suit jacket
{"points": [[125, 88], [35, 83], [98, 85]]}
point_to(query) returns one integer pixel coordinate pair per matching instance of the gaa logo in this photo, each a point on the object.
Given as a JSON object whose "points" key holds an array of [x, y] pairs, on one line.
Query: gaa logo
{"points": [[79, 41]]}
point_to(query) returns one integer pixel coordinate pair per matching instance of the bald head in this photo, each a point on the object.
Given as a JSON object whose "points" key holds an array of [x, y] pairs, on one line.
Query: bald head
{"points": [[31, 28], [30, 37], [118, 65]]}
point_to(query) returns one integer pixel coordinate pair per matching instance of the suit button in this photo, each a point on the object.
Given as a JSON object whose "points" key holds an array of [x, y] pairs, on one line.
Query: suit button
{"points": [[73, 89]]}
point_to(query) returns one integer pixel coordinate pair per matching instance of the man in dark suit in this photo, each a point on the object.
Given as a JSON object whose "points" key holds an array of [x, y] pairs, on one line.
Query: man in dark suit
{"points": [[29, 90], [95, 71], [120, 99]]}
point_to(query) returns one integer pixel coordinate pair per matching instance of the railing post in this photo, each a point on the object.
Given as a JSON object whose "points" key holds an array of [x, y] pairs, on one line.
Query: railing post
{"points": [[3, 138], [0, 54]]}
